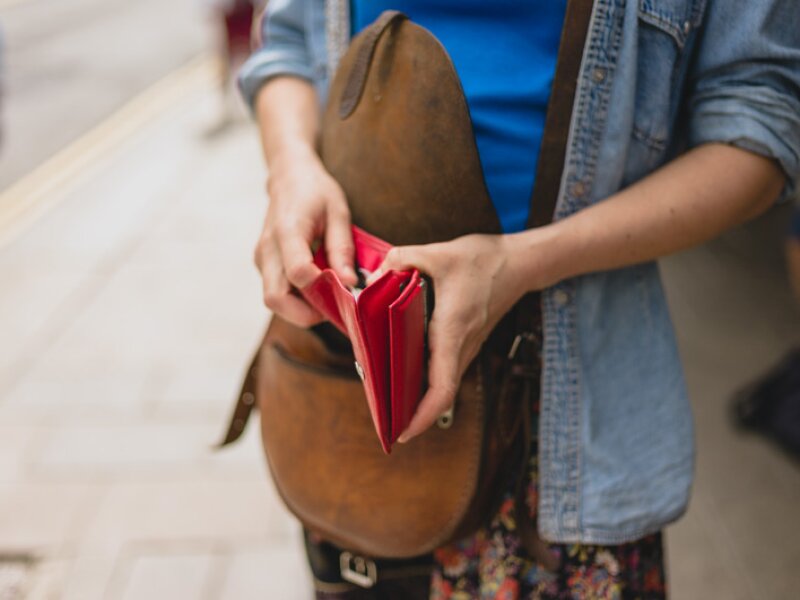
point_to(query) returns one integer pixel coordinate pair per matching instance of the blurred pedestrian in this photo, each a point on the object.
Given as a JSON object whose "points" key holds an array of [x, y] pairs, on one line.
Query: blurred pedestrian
{"points": [[234, 23], [771, 404], [686, 123]]}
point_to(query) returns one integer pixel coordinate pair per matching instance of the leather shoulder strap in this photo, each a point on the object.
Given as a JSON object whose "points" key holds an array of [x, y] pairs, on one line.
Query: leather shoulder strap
{"points": [[245, 403], [552, 153]]}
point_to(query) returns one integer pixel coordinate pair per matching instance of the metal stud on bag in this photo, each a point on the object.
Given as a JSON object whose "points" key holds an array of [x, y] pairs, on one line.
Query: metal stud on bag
{"points": [[358, 570], [445, 420]]}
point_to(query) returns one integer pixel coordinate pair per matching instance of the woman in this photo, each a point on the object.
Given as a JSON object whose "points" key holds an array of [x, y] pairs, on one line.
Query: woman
{"points": [[686, 123]]}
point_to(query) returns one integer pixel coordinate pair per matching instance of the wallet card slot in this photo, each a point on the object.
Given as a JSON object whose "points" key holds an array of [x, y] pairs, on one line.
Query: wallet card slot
{"points": [[407, 364], [389, 368], [373, 314]]}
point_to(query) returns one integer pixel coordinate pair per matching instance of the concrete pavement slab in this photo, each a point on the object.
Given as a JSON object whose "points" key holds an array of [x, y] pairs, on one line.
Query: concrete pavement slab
{"points": [[268, 571], [703, 564], [90, 55], [49, 579], [185, 510], [85, 576], [149, 452], [40, 518], [165, 577], [15, 447], [144, 450]]}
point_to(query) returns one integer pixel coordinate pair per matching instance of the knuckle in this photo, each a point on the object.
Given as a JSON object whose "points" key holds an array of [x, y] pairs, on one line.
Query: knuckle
{"points": [[289, 224], [338, 210], [395, 256], [343, 251], [296, 272], [275, 293], [262, 250], [284, 229], [267, 236], [272, 299], [265, 245]]}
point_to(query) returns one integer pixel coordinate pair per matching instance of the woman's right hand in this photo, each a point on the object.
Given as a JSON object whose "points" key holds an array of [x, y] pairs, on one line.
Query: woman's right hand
{"points": [[306, 205]]}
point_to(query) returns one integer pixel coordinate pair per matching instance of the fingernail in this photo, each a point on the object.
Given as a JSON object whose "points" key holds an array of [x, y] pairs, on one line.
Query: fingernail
{"points": [[402, 439]]}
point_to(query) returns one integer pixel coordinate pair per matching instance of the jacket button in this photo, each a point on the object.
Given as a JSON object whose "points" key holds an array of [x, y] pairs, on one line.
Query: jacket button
{"points": [[578, 189], [599, 75], [560, 297]]}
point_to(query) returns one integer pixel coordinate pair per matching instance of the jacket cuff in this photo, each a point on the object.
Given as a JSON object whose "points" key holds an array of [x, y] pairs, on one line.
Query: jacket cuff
{"points": [[265, 64], [756, 119]]}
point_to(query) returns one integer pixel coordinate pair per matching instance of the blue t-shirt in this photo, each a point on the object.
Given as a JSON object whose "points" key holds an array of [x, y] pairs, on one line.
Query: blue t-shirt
{"points": [[505, 54]]}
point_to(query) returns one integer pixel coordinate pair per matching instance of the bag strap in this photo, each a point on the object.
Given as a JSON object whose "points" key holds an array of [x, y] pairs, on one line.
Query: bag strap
{"points": [[245, 403], [544, 196], [552, 152]]}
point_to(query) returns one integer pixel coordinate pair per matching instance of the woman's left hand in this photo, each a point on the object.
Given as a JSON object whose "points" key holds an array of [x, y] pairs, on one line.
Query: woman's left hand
{"points": [[476, 282]]}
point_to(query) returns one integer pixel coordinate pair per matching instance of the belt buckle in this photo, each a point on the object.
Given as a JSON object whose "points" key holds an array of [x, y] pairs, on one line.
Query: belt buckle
{"points": [[358, 570]]}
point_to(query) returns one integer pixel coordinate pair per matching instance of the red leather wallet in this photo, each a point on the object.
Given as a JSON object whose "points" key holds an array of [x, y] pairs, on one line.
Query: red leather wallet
{"points": [[385, 321]]}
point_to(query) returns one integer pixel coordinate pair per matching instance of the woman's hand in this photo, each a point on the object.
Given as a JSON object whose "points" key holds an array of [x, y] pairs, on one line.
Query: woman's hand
{"points": [[476, 281], [306, 204]]}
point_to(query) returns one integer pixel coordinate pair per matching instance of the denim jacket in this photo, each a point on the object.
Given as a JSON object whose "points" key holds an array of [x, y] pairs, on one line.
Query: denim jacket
{"points": [[616, 446]]}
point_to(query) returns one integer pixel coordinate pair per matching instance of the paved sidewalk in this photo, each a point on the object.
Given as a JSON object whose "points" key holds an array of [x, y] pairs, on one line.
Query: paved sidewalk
{"points": [[126, 315]]}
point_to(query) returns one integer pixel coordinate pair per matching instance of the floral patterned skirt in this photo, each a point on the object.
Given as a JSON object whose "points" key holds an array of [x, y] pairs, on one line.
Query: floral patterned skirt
{"points": [[493, 563]]}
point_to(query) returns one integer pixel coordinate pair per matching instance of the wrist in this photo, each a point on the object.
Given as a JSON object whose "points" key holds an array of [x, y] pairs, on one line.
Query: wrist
{"points": [[295, 154], [539, 258]]}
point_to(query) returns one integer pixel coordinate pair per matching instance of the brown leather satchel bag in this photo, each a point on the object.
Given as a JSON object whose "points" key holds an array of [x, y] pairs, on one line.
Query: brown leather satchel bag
{"points": [[398, 138]]}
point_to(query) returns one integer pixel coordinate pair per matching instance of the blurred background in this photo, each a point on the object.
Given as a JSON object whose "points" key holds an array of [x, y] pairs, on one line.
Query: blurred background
{"points": [[131, 196]]}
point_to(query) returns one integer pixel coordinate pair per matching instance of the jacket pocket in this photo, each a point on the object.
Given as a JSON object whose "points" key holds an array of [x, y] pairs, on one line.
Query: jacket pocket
{"points": [[665, 29]]}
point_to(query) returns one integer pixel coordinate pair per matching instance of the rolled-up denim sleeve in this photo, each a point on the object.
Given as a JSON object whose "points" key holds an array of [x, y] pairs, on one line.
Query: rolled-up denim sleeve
{"points": [[283, 49], [745, 84]]}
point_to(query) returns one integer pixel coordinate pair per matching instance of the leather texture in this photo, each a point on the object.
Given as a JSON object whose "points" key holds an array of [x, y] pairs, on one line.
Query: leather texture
{"points": [[385, 322]]}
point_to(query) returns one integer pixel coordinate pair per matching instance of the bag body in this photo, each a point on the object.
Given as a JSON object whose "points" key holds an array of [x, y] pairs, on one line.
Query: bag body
{"points": [[332, 473]]}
